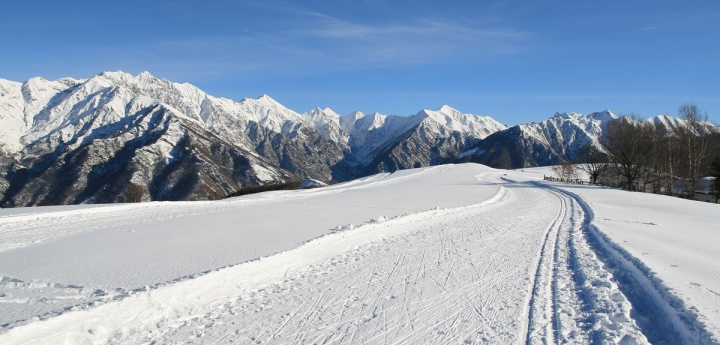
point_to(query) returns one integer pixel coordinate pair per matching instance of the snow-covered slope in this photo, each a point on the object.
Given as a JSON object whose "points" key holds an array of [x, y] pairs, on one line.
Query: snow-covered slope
{"points": [[12, 115], [474, 125], [540, 144], [447, 254], [70, 141], [90, 140], [128, 128], [389, 143]]}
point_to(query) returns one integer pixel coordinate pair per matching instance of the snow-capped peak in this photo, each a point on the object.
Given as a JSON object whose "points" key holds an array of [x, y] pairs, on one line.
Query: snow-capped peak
{"points": [[357, 122], [12, 117], [602, 116], [606, 115], [450, 118], [327, 123], [145, 75], [271, 114], [268, 100]]}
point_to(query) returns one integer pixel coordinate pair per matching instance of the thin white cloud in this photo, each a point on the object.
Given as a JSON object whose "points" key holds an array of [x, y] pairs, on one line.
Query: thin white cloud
{"points": [[344, 29], [316, 43], [420, 41]]}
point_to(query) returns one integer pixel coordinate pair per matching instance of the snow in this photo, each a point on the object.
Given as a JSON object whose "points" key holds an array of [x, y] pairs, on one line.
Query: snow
{"points": [[676, 239], [370, 133], [567, 133], [327, 123], [471, 152], [447, 254], [312, 183], [478, 126], [11, 115]]}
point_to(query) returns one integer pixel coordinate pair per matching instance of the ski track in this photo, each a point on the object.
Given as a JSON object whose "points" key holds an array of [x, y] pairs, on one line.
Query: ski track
{"points": [[662, 316], [459, 278], [525, 267], [416, 287]]}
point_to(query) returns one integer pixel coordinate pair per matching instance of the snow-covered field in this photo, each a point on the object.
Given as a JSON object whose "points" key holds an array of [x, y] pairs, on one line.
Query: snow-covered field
{"points": [[447, 254]]}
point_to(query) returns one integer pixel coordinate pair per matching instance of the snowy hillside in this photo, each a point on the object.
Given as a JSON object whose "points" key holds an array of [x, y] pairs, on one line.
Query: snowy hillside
{"points": [[446, 254], [540, 144], [97, 141], [115, 135], [389, 143]]}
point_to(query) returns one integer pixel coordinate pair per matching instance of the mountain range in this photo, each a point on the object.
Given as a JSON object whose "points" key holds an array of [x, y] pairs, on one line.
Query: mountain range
{"points": [[116, 137]]}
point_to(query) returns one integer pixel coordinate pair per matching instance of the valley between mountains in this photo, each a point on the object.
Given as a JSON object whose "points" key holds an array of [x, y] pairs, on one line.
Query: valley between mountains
{"points": [[458, 253]]}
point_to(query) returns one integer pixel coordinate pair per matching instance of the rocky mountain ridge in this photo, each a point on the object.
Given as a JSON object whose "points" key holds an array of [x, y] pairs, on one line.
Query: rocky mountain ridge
{"points": [[116, 137]]}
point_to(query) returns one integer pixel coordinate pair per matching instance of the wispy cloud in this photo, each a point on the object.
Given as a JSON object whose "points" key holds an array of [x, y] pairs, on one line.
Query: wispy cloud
{"points": [[337, 28], [410, 42], [617, 34], [319, 43]]}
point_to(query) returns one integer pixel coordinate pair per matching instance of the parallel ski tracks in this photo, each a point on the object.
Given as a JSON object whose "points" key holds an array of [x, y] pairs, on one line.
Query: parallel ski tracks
{"points": [[452, 280], [516, 271], [573, 297], [541, 322], [658, 315]]}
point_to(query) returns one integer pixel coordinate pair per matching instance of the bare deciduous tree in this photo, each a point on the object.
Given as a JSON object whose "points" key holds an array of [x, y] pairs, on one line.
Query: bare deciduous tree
{"points": [[592, 161], [667, 153], [628, 147], [715, 188], [565, 170], [696, 147], [134, 193]]}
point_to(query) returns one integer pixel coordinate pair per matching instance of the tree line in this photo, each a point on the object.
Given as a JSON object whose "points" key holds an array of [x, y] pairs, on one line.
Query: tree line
{"points": [[647, 156]]}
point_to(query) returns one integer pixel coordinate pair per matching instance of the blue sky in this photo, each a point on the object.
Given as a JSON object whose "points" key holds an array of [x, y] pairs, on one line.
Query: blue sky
{"points": [[512, 60]]}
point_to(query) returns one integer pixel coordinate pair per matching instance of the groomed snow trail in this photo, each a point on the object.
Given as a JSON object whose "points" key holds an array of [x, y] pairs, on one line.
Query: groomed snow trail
{"points": [[459, 279], [662, 316], [514, 270]]}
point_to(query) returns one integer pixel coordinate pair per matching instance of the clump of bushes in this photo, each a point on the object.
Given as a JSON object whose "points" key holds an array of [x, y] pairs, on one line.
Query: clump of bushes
{"points": [[275, 186], [266, 188]]}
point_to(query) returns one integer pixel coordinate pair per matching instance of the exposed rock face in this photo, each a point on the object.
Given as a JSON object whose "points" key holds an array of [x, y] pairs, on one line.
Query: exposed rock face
{"points": [[388, 143], [117, 137], [540, 144], [559, 138], [169, 157]]}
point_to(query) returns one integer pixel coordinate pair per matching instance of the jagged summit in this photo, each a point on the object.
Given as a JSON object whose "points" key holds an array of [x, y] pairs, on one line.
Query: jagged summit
{"points": [[559, 138], [267, 99], [446, 108], [448, 117], [93, 140], [606, 115]]}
